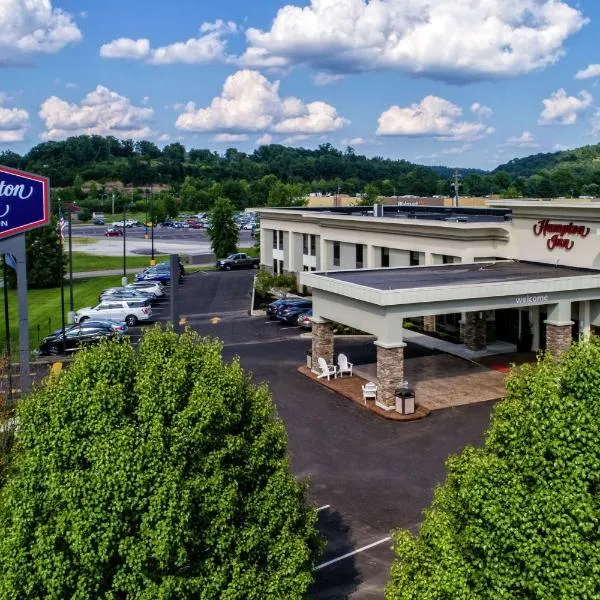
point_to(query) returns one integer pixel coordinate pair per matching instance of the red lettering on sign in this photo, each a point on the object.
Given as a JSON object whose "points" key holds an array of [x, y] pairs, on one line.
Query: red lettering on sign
{"points": [[556, 232]]}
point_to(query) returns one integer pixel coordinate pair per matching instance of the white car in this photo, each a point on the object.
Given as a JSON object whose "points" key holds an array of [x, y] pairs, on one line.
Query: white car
{"points": [[129, 311], [154, 287]]}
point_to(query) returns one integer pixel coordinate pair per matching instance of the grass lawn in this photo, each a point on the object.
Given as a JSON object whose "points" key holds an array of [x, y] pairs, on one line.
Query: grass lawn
{"points": [[252, 251], [44, 308], [83, 261]]}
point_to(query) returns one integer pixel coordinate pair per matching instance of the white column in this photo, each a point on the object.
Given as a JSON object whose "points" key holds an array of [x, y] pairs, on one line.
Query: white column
{"points": [[323, 264], [292, 267], [585, 321], [429, 258], [370, 257], [534, 321]]}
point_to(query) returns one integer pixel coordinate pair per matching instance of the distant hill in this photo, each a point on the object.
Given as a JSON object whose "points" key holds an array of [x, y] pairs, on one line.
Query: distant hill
{"points": [[448, 172], [585, 156]]}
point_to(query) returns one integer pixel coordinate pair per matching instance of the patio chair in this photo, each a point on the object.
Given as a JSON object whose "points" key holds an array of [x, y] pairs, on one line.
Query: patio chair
{"points": [[326, 370], [343, 365], [369, 390]]}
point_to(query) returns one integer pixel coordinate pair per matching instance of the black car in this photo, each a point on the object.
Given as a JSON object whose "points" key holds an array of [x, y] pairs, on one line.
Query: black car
{"points": [[288, 313], [274, 306], [76, 336]]}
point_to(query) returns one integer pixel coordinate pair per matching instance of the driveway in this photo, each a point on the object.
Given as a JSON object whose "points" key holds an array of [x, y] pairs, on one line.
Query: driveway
{"points": [[367, 475]]}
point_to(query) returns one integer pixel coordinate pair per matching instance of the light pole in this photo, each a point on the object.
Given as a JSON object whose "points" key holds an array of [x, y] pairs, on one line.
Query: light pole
{"points": [[147, 192], [152, 261], [124, 280]]}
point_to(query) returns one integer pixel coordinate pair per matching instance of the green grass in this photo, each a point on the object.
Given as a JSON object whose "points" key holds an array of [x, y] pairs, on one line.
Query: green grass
{"points": [[253, 251], [44, 308], [83, 262]]}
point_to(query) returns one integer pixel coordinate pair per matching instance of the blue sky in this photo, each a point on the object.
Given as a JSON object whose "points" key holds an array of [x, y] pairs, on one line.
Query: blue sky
{"points": [[466, 83]]}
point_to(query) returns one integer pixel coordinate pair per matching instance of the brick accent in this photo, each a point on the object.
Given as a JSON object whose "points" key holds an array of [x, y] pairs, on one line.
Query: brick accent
{"points": [[390, 373], [322, 342], [475, 331], [429, 323], [558, 339]]}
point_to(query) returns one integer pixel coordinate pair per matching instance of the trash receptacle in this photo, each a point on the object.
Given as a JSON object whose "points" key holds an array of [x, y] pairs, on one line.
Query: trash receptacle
{"points": [[309, 359], [405, 401]]}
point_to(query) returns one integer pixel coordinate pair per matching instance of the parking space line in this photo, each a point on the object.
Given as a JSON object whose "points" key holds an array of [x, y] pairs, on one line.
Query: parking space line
{"points": [[323, 507], [335, 560]]}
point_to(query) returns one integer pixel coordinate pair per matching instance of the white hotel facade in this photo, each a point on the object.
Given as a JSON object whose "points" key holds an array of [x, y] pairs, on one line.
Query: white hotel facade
{"points": [[522, 271]]}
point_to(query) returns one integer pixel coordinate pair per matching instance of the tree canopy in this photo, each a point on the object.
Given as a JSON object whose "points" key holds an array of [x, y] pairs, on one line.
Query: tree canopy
{"points": [[223, 231], [156, 473], [520, 517]]}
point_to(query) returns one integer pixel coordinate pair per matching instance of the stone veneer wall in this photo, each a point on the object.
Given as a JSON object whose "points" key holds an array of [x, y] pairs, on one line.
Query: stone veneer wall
{"points": [[322, 343], [474, 332], [390, 373], [558, 339], [429, 323]]}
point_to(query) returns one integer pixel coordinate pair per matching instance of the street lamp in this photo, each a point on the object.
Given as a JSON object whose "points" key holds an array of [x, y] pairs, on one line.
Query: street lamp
{"points": [[124, 280], [147, 192], [152, 261]]}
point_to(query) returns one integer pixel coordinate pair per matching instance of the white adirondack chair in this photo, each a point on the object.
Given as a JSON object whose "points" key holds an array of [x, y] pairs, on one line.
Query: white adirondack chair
{"points": [[369, 390], [326, 370], [343, 365]]}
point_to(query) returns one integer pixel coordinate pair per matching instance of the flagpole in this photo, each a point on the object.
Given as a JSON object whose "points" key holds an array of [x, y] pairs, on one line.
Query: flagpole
{"points": [[61, 234], [71, 301]]}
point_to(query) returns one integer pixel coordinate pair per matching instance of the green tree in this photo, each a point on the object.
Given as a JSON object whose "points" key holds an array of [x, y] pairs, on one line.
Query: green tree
{"points": [[370, 195], [170, 204], [520, 517], [511, 192], [45, 260], [156, 473], [287, 194], [223, 231], [84, 215]]}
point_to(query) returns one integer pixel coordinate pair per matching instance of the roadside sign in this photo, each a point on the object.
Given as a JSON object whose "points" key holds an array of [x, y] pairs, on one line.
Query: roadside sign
{"points": [[24, 201]]}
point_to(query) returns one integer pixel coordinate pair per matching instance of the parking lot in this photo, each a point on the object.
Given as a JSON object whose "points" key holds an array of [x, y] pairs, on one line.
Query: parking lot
{"points": [[367, 475]]}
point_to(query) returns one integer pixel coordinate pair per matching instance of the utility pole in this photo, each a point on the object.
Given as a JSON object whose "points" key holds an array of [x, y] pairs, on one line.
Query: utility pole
{"points": [[113, 204], [456, 184]]}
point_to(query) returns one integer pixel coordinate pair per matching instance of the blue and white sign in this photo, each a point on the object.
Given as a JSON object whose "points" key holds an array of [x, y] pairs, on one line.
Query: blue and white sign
{"points": [[24, 202]]}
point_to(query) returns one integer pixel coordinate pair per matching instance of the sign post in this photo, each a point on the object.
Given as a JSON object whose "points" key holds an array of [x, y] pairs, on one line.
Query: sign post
{"points": [[24, 205]]}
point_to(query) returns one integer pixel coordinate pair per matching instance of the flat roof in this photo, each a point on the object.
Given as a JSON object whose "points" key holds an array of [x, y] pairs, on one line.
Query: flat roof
{"points": [[454, 274]]}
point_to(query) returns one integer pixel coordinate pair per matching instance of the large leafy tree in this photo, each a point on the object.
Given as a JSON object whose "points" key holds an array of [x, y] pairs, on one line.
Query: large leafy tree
{"points": [[161, 473], [520, 517], [223, 231]]}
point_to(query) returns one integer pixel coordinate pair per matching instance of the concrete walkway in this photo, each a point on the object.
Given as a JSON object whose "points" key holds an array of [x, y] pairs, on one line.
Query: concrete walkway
{"points": [[104, 273]]}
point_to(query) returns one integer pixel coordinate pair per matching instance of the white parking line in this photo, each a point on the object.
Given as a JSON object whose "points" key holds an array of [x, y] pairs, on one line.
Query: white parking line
{"points": [[323, 507], [334, 560]]}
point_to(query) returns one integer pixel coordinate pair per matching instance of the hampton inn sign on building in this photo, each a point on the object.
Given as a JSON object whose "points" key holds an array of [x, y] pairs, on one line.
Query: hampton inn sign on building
{"points": [[523, 271]]}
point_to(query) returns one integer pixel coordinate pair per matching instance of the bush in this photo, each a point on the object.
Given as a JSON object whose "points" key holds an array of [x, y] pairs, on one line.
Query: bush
{"points": [[265, 282], [161, 473], [520, 517], [84, 215]]}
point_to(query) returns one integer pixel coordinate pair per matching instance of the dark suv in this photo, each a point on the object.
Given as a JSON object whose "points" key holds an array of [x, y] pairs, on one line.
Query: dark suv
{"points": [[288, 313], [274, 306]]}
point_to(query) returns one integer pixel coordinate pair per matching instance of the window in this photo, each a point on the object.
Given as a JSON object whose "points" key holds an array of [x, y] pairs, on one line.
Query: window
{"points": [[275, 267], [336, 254], [447, 260], [313, 245], [305, 244], [359, 256], [414, 259], [385, 257], [280, 267], [275, 240], [281, 240]]}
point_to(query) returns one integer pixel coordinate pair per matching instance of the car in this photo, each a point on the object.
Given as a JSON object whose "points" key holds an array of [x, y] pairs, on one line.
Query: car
{"points": [[128, 311], [77, 336], [288, 313], [112, 232], [239, 260], [126, 294], [156, 287], [305, 319], [116, 325], [273, 307], [154, 274]]}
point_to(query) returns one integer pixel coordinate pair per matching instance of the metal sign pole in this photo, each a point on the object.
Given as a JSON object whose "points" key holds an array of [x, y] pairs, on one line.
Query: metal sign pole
{"points": [[21, 258], [174, 267]]}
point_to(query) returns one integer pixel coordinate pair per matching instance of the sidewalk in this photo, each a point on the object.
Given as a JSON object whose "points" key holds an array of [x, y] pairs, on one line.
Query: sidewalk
{"points": [[105, 273]]}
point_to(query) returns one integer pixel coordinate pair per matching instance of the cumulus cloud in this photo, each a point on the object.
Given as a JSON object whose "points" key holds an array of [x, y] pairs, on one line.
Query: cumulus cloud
{"points": [[525, 140], [230, 137], [209, 47], [563, 109], [589, 72], [482, 111], [326, 78], [445, 39], [265, 140], [250, 102], [432, 117], [14, 122], [457, 149], [102, 112], [30, 27]]}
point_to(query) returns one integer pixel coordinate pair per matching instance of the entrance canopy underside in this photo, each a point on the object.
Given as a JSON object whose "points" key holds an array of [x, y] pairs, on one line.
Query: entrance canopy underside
{"points": [[378, 300]]}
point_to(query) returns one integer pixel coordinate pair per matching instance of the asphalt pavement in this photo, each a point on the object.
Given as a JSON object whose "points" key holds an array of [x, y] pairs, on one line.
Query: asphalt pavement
{"points": [[367, 475]]}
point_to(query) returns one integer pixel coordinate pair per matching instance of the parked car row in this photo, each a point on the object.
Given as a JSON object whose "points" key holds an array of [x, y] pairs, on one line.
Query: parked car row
{"points": [[161, 272], [292, 311], [86, 333]]}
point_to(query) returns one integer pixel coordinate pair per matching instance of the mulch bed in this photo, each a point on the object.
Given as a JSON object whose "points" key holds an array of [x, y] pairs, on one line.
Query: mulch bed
{"points": [[351, 388]]}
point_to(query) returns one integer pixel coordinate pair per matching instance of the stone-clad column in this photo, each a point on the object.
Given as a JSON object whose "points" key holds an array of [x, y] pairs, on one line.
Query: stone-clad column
{"points": [[475, 330], [390, 373], [558, 339], [429, 323], [322, 341]]}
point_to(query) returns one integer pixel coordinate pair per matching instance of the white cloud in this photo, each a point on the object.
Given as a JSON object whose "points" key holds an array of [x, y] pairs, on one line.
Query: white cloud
{"points": [[102, 112], [209, 47], [482, 111], [164, 137], [265, 140], [250, 102], [563, 109], [357, 141], [445, 39], [559, 147], [432, 117], [230, 137], [589, 72], [525, 140], [596, 123], [14, 122], [294, 139], [326, 78], [70, 85], [33, 26], [457, 149]]}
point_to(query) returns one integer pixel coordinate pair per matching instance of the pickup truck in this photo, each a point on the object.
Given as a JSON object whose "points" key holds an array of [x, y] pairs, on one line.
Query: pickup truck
{"points": [[238, 261]]}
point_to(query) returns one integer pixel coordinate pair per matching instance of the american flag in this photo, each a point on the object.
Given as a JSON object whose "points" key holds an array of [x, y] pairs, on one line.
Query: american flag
{"points": [[61, 225]]}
